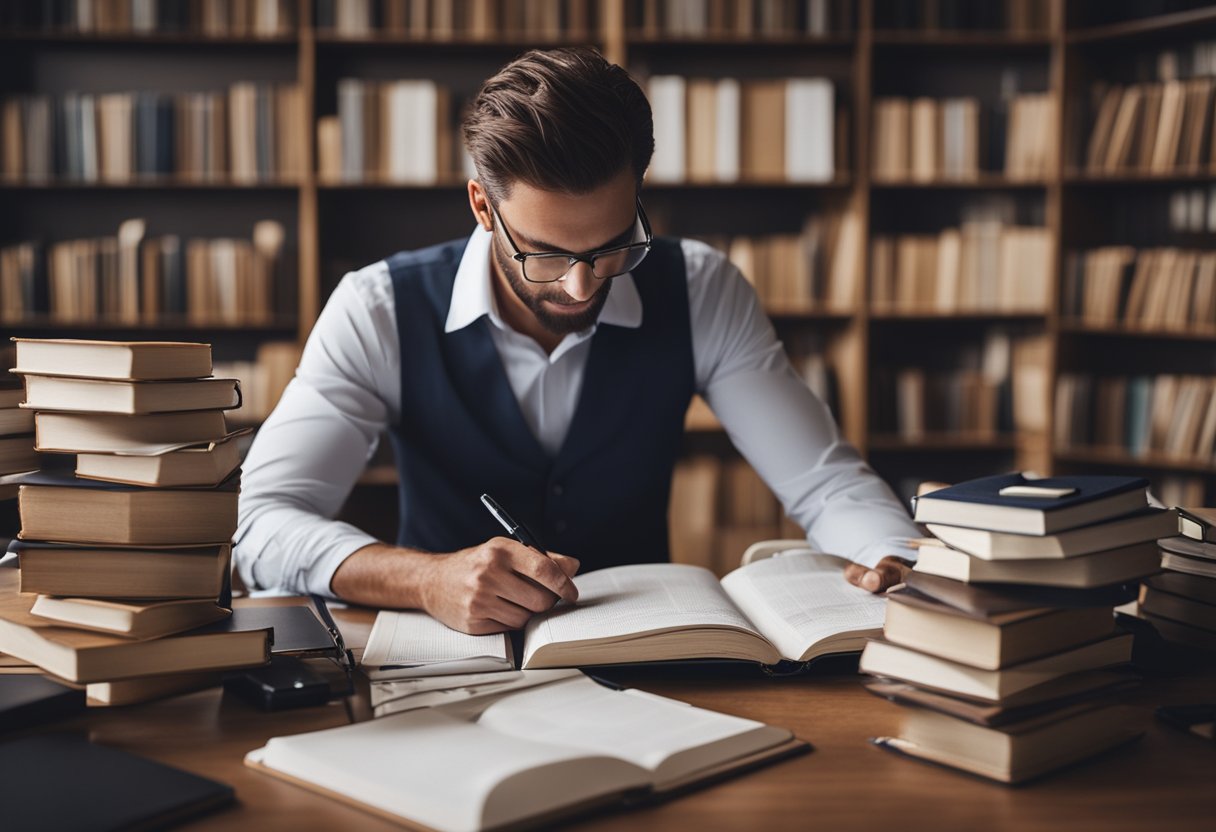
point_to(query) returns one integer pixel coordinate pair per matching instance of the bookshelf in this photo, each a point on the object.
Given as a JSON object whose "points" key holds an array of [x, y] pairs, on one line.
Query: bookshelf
{"points": [[870, 50]]}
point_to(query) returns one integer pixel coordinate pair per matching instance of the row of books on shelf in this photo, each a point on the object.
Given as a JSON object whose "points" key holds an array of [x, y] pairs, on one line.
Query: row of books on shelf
{"points": [[814, 270], [133, 278], [263, 379], [445, 19], [927, 140], [251, 133], [1166, 415], [984, 265], [1152, 128], [995, 388], [389, 131], [740, 18], [1160, 288], [729, 130], [1013, 16], [719, 507], [209, 18]]}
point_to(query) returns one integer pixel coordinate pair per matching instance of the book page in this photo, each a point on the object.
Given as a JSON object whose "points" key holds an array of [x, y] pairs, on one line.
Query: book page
{"points": [[668, 737], [630, 600], [799, 599], [412, 638], [445, 772]]}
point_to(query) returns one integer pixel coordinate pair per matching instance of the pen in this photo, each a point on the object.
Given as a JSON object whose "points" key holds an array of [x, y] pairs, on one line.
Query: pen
{"points": [[514, 528]]}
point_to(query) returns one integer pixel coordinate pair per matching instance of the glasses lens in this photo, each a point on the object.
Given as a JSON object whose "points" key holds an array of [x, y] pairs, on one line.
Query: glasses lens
{"points": [[618, 262], [546, 269]]}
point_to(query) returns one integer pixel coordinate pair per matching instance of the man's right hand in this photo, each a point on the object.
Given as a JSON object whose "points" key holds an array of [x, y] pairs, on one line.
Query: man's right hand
{"points": [[496, 586]]}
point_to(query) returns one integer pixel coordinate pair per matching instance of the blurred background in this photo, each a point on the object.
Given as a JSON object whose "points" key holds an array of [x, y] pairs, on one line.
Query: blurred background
{"points": [[982, 228]]}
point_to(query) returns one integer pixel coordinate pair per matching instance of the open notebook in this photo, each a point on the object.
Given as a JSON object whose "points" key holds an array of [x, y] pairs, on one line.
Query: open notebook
{"points": [[533, 755], [793, 607]]}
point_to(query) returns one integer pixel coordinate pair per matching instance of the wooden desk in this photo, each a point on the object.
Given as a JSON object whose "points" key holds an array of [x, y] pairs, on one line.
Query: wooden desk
{"points": [[1166, 781]]}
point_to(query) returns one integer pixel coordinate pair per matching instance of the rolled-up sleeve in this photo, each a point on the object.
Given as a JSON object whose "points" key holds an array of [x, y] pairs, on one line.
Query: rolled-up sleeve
{"points": [[782, 428], [311, 450]]}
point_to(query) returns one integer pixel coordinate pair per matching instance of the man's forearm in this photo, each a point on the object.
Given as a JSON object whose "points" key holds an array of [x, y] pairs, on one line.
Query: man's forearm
{"points": [[384, 576]]}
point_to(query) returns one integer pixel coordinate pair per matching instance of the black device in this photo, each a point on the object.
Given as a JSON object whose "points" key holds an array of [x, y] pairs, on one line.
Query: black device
{"points": [[309, 663]]}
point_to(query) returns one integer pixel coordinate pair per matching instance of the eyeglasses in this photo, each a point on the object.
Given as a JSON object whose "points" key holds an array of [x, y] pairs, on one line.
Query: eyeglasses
{"points": [[551, 266]]}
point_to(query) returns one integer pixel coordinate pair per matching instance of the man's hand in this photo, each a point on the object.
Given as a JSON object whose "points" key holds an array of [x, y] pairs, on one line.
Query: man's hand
{"points": [[496, 586], [886, 573]]}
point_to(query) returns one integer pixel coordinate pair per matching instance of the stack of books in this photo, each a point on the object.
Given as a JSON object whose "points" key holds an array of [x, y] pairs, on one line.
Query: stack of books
{"points": [[1003, 638], [1181, 601], [125, 562]]}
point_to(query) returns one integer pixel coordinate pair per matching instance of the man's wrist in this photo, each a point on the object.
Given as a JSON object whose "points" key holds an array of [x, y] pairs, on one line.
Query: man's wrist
{"points": [[385, 576]]}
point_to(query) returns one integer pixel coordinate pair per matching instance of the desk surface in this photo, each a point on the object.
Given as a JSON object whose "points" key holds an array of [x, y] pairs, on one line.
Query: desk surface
{"points": [[1166, 781]]}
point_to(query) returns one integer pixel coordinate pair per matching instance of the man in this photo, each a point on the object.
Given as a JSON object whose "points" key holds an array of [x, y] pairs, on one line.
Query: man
{"points": [[547, 360]]}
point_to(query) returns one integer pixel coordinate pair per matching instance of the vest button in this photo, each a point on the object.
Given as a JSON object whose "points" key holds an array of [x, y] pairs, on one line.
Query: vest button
{"points": [[558, 490], [559, 526]]}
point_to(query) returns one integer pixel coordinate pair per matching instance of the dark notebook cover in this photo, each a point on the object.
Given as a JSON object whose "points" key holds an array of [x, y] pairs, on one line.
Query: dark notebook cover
{"points": [[66, 478], [27, 700], [297, 630], [986, 491], [992, 599], [68, 784]]}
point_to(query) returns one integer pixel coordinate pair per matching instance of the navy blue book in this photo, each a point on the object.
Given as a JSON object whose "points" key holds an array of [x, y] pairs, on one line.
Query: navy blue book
{"points": [[1013, 503], [66, 782]]}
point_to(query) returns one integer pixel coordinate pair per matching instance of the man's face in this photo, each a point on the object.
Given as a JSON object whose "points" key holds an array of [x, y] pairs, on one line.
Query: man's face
{"points": [[544, 221]]}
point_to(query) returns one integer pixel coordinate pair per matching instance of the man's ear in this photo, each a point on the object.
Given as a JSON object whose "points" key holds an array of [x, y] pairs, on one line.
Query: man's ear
{"points": [[479, 203]]}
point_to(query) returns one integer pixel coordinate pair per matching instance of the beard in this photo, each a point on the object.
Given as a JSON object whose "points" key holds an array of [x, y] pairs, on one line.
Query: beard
{"points": [[534, 295]]}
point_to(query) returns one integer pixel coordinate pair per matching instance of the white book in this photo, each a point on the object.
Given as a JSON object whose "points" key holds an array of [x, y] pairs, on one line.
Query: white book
{"points": [[350, 114], [668, 105], [534, 755], [394, 696], [398, 94], [809, 132], [1149, 524], [425, 140], [409, 643], [726, 140]]}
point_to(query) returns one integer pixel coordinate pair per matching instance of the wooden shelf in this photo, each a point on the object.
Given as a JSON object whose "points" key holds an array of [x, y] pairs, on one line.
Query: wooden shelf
{"points": [[152, 39], [1122, 458], [1125, 331], [636, 39], [1148, 27], [444, 184], [961, 39], [506, 41], [960, 317], [43, 323], [984, 182], [942, 442], [165, 184], [807, 313], [1119, 180]]}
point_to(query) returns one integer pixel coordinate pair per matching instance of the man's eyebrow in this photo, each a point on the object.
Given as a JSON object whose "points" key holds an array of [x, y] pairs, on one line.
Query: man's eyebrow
{"points": [[540, 246]]}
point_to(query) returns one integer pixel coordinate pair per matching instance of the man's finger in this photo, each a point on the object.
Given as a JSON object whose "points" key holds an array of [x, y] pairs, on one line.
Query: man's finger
{"points": [[854, 572], [544, 571], [567, 564], [524, 592]]}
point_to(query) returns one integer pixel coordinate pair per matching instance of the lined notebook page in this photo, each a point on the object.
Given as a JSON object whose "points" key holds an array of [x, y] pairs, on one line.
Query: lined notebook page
{"points": [[799, 599], [625, 600], [412, 637], [644, 729]]}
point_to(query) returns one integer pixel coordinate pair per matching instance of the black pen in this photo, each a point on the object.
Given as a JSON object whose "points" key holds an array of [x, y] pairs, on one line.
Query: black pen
{"points": [[516, 529]]}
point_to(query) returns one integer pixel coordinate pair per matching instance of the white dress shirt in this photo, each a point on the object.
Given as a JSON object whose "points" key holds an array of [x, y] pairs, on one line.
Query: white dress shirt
{"points": [[347, 390]]}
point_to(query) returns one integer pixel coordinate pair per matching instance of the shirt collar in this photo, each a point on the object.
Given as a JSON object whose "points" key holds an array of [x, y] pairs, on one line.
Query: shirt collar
{"points": [[473, 297]]}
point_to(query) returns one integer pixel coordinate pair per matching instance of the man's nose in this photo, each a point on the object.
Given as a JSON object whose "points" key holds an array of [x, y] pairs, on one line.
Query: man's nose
{"points": [[580, 283]]}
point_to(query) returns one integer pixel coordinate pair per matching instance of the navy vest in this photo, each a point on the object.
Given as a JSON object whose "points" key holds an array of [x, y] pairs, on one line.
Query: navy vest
{"points": [[603, 498]]}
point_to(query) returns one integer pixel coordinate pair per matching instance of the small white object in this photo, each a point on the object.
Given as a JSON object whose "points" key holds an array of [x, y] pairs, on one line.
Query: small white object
{"points": [[1035, 491]]}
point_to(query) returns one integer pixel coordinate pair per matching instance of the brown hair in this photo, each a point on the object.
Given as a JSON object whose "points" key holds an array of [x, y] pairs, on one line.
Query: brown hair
{"points": [[560, 120]]}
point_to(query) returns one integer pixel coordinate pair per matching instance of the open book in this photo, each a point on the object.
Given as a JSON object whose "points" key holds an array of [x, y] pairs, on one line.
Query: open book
{"points": [[793, 607], [534, 755]]}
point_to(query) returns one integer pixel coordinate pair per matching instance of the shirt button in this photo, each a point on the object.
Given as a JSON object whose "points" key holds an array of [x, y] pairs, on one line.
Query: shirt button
{"points": [[558, 490], [559, 526]]}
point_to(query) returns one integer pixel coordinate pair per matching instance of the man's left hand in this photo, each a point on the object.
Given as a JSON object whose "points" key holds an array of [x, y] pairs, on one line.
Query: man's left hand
{"points": [[886, 573]]}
